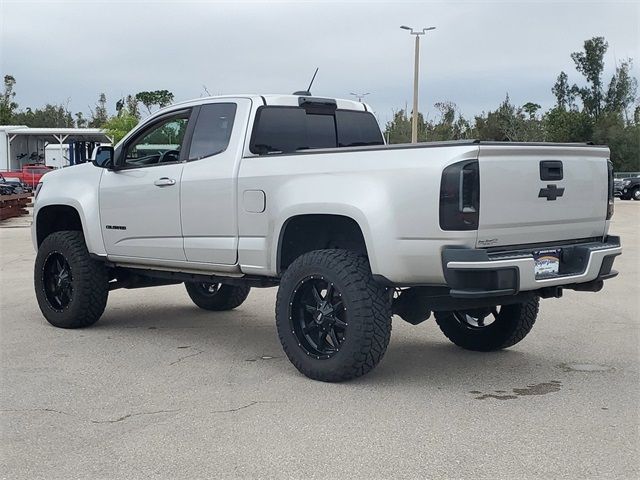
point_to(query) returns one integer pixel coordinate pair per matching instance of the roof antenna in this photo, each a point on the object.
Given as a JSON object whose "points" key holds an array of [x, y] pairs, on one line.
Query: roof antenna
{"points": [[308, 90]]}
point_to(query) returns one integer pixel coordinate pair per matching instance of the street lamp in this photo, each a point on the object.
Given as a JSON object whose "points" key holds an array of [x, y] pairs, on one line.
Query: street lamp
{"points": [[414, 119], [359, 96]]}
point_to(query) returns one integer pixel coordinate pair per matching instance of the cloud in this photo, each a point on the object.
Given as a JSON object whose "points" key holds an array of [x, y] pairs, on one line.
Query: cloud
{"points": [[479, 51]]}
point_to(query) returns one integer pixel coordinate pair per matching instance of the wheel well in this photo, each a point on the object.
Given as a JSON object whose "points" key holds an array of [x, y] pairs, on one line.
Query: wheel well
{"points": [[305, 233], [55, 218]]}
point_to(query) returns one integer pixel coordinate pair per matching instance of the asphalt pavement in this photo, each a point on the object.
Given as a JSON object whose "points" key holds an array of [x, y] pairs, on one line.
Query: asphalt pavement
{"points": [[160, 389]]}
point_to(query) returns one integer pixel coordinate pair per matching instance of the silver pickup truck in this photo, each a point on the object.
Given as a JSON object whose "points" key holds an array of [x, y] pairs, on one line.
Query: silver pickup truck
{"points": [[228, 193]]}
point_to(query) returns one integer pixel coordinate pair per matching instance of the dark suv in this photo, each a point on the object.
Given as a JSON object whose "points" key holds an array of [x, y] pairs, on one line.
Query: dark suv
{"points": [[628, 188]]}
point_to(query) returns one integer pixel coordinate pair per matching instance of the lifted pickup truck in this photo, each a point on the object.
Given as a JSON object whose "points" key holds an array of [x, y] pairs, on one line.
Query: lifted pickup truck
{"points": [[229, 193]]}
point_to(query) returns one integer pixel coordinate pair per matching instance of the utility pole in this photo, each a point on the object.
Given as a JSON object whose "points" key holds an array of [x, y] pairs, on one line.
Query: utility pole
{"points": [[416, 70]]}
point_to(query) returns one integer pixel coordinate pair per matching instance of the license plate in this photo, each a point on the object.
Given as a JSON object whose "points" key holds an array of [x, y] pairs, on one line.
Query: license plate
{"points": [[547, 263]]}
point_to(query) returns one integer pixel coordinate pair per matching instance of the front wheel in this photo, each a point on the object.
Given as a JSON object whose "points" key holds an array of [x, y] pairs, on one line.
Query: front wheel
{"points": [[71, 287], [636, 194], [216, 296], [333, 319], [491, 328]]}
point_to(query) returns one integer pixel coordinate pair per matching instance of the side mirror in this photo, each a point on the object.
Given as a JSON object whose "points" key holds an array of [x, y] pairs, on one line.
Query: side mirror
{"points": [[103, 156]]}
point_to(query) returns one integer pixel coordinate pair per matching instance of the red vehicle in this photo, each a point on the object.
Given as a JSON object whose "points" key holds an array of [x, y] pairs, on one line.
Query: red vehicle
{"points": [[30, 174]]}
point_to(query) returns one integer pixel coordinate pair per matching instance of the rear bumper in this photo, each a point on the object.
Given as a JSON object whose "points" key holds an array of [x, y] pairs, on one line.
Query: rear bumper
{"points": [[476, 273]]}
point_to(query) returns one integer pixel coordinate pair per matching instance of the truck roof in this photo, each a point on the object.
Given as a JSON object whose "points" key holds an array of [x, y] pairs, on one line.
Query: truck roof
{"points": [[275, 99]]}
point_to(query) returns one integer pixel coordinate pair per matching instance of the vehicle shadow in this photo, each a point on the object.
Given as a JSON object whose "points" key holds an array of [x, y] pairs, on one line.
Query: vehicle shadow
{"points": [[410, 360]]}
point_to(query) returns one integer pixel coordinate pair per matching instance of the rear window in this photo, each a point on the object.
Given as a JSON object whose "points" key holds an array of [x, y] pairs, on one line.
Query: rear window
{"points": [[290, 129]]}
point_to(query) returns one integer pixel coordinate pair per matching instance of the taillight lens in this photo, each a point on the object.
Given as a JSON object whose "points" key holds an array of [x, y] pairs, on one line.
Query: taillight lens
{"points": [[609, 190], [460, 196]]}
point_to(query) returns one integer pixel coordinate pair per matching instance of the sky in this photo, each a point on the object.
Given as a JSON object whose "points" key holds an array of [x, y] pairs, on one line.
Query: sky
{"points": [[70, 51]]}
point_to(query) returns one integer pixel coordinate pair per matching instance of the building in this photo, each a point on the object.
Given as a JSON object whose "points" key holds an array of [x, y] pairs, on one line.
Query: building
{"points": [[21, 145]]}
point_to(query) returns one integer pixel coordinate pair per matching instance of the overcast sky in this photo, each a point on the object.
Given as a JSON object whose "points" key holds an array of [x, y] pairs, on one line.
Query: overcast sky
{"points": [[72, 50]]}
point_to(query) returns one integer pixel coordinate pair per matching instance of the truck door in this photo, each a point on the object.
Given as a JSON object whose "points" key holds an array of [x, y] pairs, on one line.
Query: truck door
{"points": [[209, 189], [140, 201]]}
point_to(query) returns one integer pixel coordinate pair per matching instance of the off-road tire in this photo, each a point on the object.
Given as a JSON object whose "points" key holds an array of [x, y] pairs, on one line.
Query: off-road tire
{"points": [[89, 279], [368, 315], [227, 297], [513, 323]]}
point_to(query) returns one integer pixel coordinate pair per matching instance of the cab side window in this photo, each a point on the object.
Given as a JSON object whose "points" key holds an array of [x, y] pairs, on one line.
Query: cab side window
{"points": [[213, 130], [159, 144]]}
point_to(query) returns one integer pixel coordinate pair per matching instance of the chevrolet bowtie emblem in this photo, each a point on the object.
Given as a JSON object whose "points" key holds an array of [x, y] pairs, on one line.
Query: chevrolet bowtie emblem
{"points": [[551, 192]]}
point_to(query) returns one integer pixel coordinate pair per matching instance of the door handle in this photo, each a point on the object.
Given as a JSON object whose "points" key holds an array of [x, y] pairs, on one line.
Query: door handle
{"points": [[551, 170], [164, 182]]}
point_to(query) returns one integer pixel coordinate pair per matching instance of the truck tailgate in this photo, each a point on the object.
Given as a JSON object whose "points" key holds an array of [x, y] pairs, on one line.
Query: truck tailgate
{"points": [[525, 198]]}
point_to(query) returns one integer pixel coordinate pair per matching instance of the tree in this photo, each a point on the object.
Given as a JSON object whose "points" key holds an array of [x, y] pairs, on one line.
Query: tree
{"points": [[81, 122], [7, 105], [590, 63], [99, 116], [131, 103], [564, 93], [398, 130], [623, 141], [621, 93], [530, 109], [451, 125], [128, 104], [56, 116], [159, 98], [118, 126], [561, 125], [506, 123]]}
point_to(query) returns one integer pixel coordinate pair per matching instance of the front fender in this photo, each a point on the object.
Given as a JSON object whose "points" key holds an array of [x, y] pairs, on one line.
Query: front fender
{"points": [[76, 187]]}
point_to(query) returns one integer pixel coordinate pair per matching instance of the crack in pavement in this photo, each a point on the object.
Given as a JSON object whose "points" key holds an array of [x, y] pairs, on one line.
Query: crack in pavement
{"points": [[24, 410], [120, 419], [250, 404], [129, 415], [186, 356]]}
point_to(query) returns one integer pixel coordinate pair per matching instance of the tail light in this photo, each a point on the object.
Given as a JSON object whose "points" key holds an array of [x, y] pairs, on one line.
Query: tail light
{"points": [[609, 190], [460, 196]]}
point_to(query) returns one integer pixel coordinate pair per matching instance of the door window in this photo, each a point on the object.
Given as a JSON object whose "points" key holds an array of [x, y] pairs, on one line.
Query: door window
{"points": [[159, 144], [213, 130]]}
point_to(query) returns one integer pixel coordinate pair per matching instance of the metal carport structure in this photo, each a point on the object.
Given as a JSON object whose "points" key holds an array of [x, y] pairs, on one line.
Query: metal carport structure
{"points": [[17, 140]]}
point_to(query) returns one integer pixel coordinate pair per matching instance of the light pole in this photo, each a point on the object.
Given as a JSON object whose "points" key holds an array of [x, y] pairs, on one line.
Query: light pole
{"points": [[359, 96], [414, 118]]}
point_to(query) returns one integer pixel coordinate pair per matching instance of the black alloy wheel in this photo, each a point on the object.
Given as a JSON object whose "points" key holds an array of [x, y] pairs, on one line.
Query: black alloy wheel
{"points": [[491, 328], [477, 318], [58, 281], [71, 287], [333, 318], [217, 296], [209, 288], [317, 316]]}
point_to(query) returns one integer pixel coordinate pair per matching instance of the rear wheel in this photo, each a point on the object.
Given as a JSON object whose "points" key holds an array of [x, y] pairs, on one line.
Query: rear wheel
{"points": [[217, 296], [333, 319], [636, 194], [71, 288], [492, 328]]}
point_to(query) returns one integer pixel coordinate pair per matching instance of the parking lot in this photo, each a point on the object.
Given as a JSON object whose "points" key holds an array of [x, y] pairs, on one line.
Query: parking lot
{"points": [[161, 389]]}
